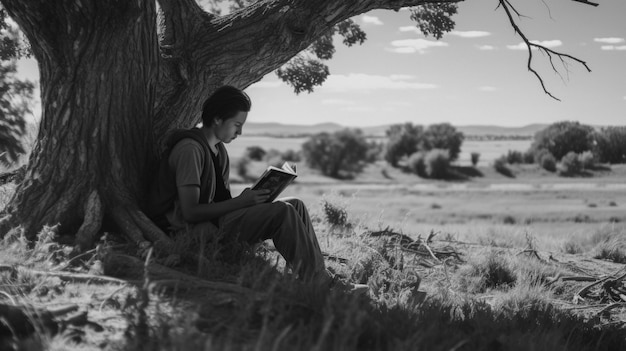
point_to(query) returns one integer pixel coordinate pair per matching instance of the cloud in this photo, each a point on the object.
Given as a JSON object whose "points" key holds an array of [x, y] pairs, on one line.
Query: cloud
{"points": [[487, 88], [609, 40], [413, 29], [371, 20], [486, 47], [613, 47], [457, 33], [367, 82], [546, 43], [469, 34], [410, 46]]}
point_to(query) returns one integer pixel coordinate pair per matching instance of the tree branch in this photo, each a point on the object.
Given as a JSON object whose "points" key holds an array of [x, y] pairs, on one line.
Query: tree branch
{"points": [[508, 9]]}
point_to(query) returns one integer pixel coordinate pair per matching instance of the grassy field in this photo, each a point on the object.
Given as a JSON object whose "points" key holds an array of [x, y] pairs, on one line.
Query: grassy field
{"points": [[484, 262]]}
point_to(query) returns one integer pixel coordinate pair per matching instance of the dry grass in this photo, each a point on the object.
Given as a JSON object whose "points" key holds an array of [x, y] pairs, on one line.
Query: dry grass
{"points": [[496, 299]]}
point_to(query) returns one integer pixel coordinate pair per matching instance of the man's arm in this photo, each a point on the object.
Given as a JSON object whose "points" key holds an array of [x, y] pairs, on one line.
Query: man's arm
{"points": [[193, 211]]}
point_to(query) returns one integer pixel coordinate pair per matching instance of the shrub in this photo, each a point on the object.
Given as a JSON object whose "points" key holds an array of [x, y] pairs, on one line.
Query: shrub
{"points": [[610, 144], [547, 161], [444, 136], [338, 155], [570, 164], [529, 157], [475, 156], [587, 160], [508, 219], [563, 137], [437, 163], [255, 153], [490, 272], [513, 156], [403, 140], [335, 215], [417, 164], [501, 166], [291, 155]]}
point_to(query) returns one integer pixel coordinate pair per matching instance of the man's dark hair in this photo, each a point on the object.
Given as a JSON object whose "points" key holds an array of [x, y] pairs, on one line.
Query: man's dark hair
{"points": [[224, 104]]}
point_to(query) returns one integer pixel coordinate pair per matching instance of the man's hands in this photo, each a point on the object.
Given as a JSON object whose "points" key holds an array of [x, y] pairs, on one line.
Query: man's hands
{"points": [[249, 197]]}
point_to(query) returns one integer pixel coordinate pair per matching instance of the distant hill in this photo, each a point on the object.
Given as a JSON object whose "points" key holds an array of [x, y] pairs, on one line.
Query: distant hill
{"points": [[287, 130]]}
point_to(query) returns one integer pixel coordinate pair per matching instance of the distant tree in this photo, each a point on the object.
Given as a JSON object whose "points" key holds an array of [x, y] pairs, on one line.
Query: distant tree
{"points": [[338, 155], [475, 156], [610, 144], [437, 163], [563, 137], [403, 140], [546, 160], [255, 153], [417, 163], [570, 164], [444, 136]]}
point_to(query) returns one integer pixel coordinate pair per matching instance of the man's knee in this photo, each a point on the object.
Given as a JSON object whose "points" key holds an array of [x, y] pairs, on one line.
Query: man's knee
{"points": [[293, 201]]}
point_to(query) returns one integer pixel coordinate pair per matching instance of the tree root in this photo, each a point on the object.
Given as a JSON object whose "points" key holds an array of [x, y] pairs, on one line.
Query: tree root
{"points": [[65, 276], [94, 213], [140, 229], [162, 276]]}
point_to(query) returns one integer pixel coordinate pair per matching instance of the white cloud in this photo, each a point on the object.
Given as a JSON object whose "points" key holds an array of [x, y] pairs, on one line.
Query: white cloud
{"points": [[546, 43], [487, 88], [469, 34], [609, 40], [410, 46], [613, 47], [413, 29], [486, 47], [371, 20], [368, 82]]}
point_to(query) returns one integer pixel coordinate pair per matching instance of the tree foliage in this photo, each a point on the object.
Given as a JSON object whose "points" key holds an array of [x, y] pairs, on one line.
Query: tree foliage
{"points": [[403, 140], [610, 144], [562, 137], [444, 136], [339, 155], [307, 70], [406, 139]]}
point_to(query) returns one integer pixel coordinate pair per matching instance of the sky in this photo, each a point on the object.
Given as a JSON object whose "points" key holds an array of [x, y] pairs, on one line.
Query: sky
{"points": [[475, 75]]}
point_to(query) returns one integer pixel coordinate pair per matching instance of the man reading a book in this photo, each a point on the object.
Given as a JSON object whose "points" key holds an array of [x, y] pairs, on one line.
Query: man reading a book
{"points": [[191, 193]]}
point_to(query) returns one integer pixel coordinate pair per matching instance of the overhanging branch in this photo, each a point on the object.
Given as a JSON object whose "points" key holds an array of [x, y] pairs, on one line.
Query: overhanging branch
{"points": [[509, 9]]}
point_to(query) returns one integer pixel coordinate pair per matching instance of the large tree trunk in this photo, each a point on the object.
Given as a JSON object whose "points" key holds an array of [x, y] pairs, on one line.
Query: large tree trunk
{"points": [[111, 91], [98, 63]]}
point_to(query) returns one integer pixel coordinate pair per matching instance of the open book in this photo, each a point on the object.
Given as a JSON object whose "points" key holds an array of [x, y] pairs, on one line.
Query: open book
{"points": [[276, 179]]}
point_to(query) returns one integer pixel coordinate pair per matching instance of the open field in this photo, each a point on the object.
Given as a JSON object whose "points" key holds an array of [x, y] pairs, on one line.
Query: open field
{"points": [[510, 265], [489, 150]]}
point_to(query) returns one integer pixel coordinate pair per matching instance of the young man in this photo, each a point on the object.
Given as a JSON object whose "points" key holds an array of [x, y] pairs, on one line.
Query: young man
{"points": [[192, 193]]}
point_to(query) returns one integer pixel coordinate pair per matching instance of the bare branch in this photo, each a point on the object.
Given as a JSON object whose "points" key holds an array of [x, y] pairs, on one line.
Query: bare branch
{"points": [[587, 2], [509, 9]]}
